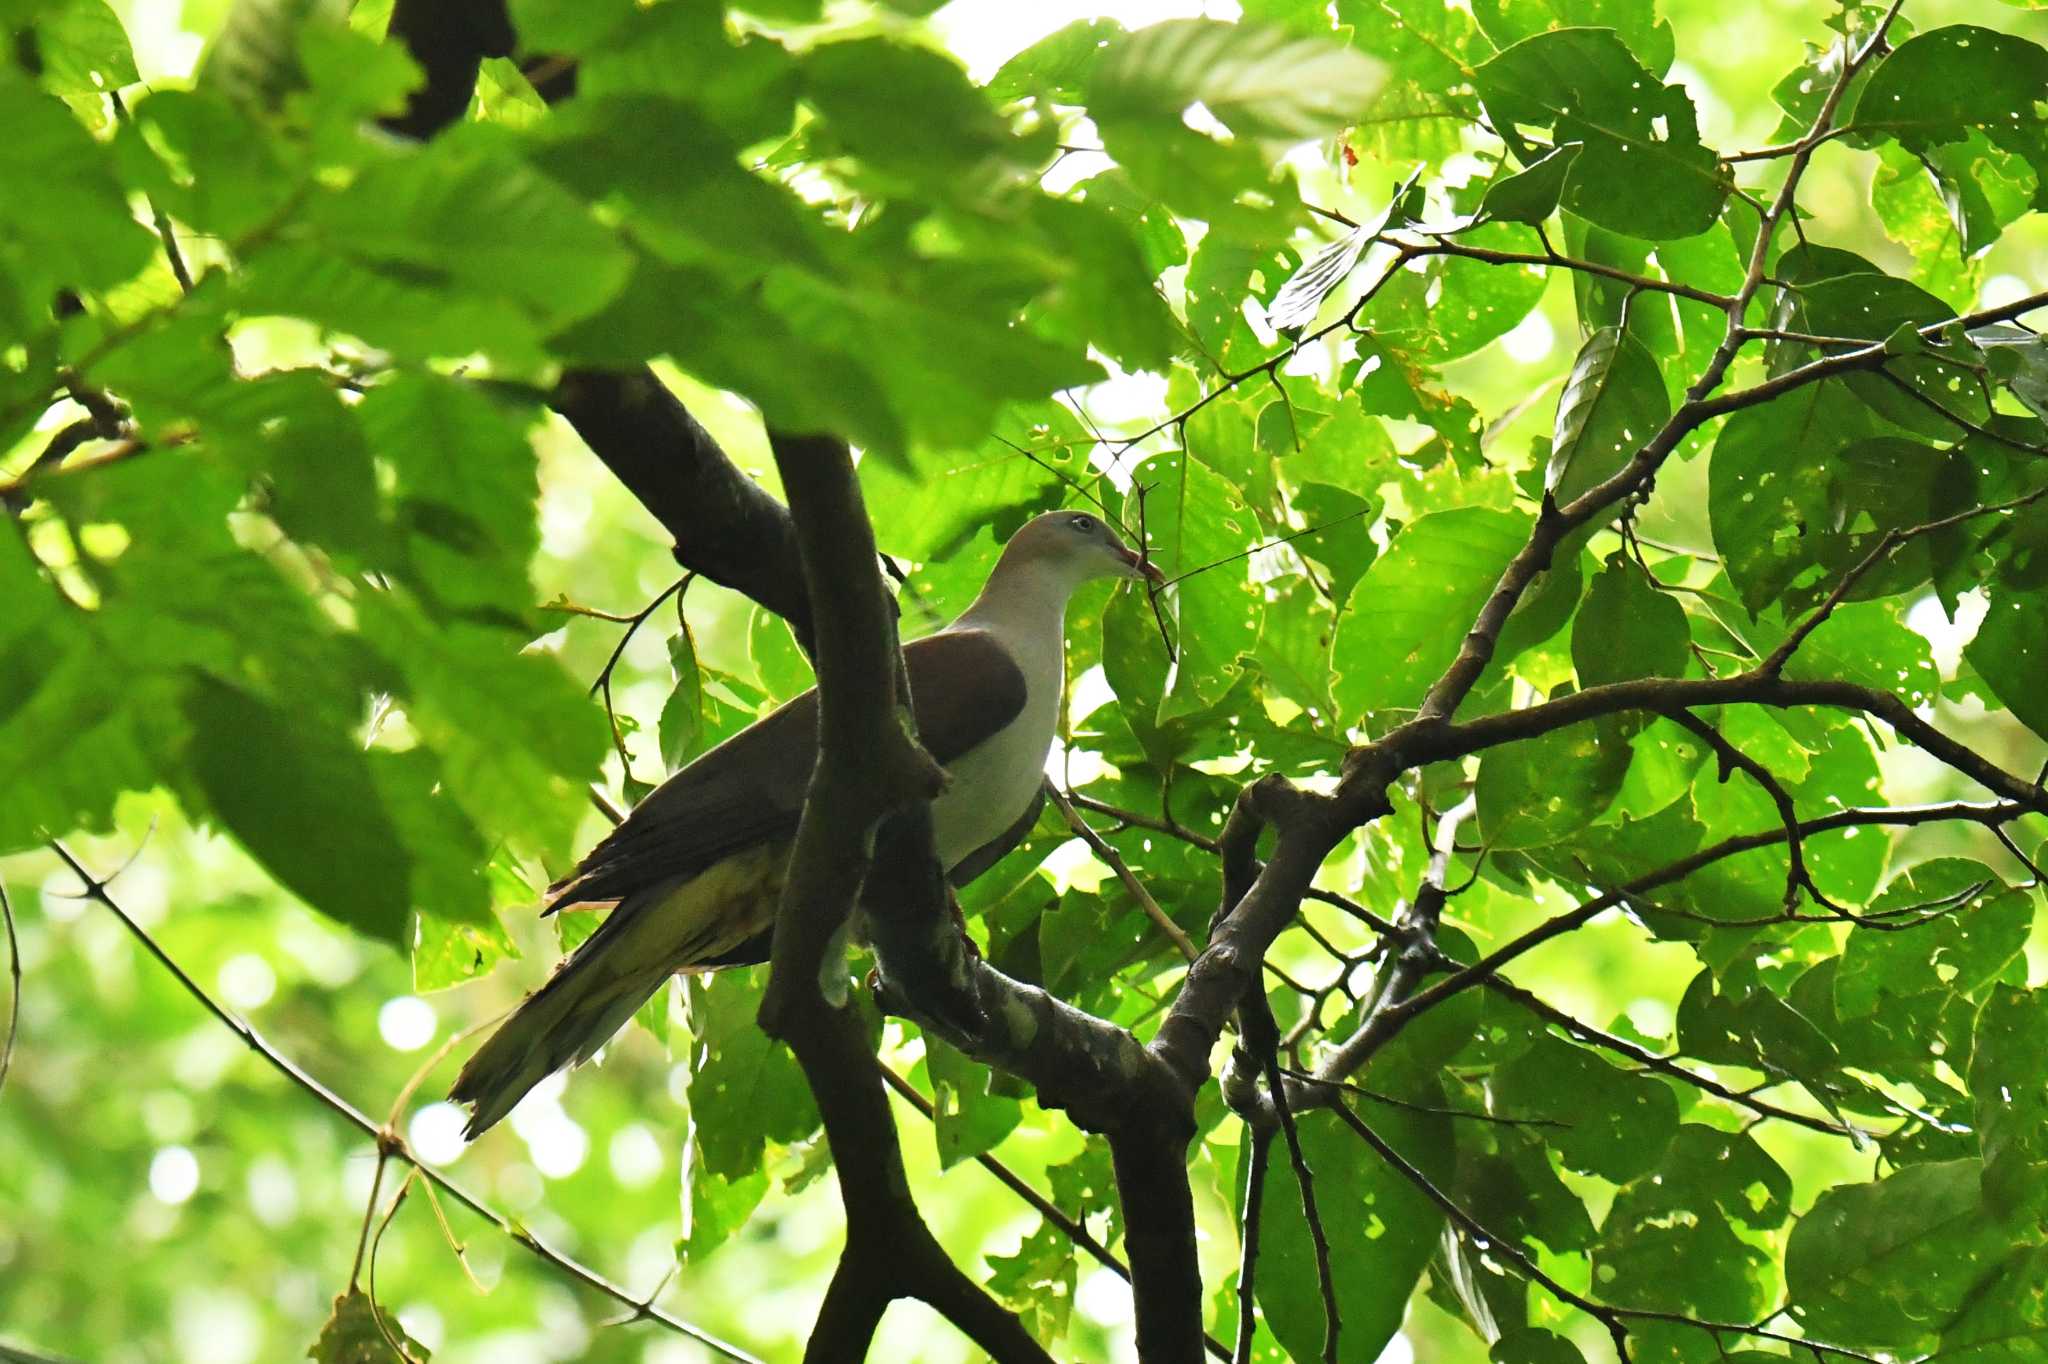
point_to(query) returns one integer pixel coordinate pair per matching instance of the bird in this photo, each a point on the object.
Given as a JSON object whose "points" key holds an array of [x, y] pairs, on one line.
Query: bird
{"points": [[694, 872]]}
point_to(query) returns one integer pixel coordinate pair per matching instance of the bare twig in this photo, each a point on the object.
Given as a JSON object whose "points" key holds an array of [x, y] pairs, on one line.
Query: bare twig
{"points": [[1261, 1139], [14, 995], [1115, 862]]}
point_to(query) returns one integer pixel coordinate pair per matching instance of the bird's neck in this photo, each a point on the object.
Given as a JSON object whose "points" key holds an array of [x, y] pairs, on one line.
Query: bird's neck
{"points": [[1024, 596]]}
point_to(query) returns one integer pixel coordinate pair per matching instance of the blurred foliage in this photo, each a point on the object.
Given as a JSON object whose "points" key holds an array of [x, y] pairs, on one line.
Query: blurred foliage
{"points": [[301, 588]]}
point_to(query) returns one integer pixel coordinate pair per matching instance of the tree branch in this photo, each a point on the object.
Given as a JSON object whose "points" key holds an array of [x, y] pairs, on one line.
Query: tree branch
{"points": [[868, 767]]}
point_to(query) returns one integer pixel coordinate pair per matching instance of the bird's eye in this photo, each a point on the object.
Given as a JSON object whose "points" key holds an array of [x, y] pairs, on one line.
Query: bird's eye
{"points": [[1083, 523]]}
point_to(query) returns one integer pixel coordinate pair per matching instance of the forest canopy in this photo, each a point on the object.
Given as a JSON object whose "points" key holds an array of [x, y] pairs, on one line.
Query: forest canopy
{"points": [[1553, 875]]}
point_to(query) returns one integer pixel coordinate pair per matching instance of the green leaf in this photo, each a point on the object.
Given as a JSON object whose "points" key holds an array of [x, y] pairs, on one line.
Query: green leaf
{"points": [[1401, 626], [1532, 1345], [2025, 364], [908, 111], [1193, 519], [1342, 541], [1888, 1265], [1612, 404], [83, 48], [518, 739], [682, 715], [1531, 196], [1937, 86], [450, 880], [1643, 169], [64, 221], [1382, 1231], [933, 504], [1768, 485], [2006, 1322], [465, 492], [1628, 628], [1952, 926], [1263, 83], [1058, 66], [1635, 21], [2010, 651], [2009, 1082], [254, 59], [1267, 86], [461, 213], [746, 1090], [967, 1119], [1545, 789], [304, 803], [1037, 1280], [358, 1331], [1669, 1242], [1613, 1124]]}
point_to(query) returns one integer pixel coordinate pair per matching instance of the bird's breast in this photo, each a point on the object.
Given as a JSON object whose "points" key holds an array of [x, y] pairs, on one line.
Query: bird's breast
{"points": [[993, 783]]}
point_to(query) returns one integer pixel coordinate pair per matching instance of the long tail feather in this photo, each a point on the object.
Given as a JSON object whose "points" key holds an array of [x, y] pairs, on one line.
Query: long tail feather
{"points": [[562, 1023], [711, 919]]}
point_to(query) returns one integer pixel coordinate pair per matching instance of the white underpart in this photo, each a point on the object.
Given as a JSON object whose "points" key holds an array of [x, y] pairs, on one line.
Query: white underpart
{"points": [[994, 782]]}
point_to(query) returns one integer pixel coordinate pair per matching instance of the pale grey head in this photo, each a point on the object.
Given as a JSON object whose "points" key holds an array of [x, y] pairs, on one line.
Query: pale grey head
{"points": [[1078, 545]]}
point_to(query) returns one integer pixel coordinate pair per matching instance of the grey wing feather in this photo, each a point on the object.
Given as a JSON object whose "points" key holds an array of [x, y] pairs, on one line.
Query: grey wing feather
{"points": [[750, 789], [747, 791]]}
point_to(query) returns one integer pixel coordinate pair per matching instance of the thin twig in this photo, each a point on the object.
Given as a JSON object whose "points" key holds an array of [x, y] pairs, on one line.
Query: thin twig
{"points": [[14, 973], [96, 890], [1114, 860], [1261, 1139]]}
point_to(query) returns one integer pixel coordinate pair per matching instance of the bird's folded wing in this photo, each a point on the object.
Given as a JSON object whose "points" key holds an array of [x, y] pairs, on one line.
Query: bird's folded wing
{"points": [[965, 687]]}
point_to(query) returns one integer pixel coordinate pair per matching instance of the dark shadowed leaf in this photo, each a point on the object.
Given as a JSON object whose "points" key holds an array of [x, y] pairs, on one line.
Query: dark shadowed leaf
{"points": [[1628, 628], [359, 1331], [1530, 196], [304, 803], [1890, 1264], [1382, 1231]]}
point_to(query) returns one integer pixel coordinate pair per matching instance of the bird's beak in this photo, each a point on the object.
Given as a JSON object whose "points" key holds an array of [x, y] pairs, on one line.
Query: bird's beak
{"points": [[1139, 567]]}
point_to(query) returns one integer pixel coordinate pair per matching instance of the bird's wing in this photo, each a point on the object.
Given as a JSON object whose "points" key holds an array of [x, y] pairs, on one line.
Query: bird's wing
{"points": [[964, 685]]}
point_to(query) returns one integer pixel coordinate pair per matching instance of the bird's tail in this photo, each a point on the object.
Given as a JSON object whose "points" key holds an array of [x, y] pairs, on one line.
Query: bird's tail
{"points": [[712, 919], [588, 999]]}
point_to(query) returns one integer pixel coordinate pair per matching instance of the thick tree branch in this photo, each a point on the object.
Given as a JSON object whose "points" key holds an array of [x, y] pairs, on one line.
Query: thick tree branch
{"points": [[726, 526], [868, 766]]}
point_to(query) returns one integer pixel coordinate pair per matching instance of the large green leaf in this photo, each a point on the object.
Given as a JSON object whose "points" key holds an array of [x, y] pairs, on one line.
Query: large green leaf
{"points": [[2010, 651], [1669, 1241], [2009, 1082], [1938, 86], [1642, 169], [1610, 1123], [745, 1088], [64, 220], [1768, 485], [304, 802], [519, 740], [1889, 1265], [1547, 788], [1402, 625], [1628, 628], [1612, 404], [1199, 525], [1381, 1229]]}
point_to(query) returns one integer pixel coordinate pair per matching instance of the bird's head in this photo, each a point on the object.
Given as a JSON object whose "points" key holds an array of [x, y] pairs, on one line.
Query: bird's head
{"points": [[1079, 545]]}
